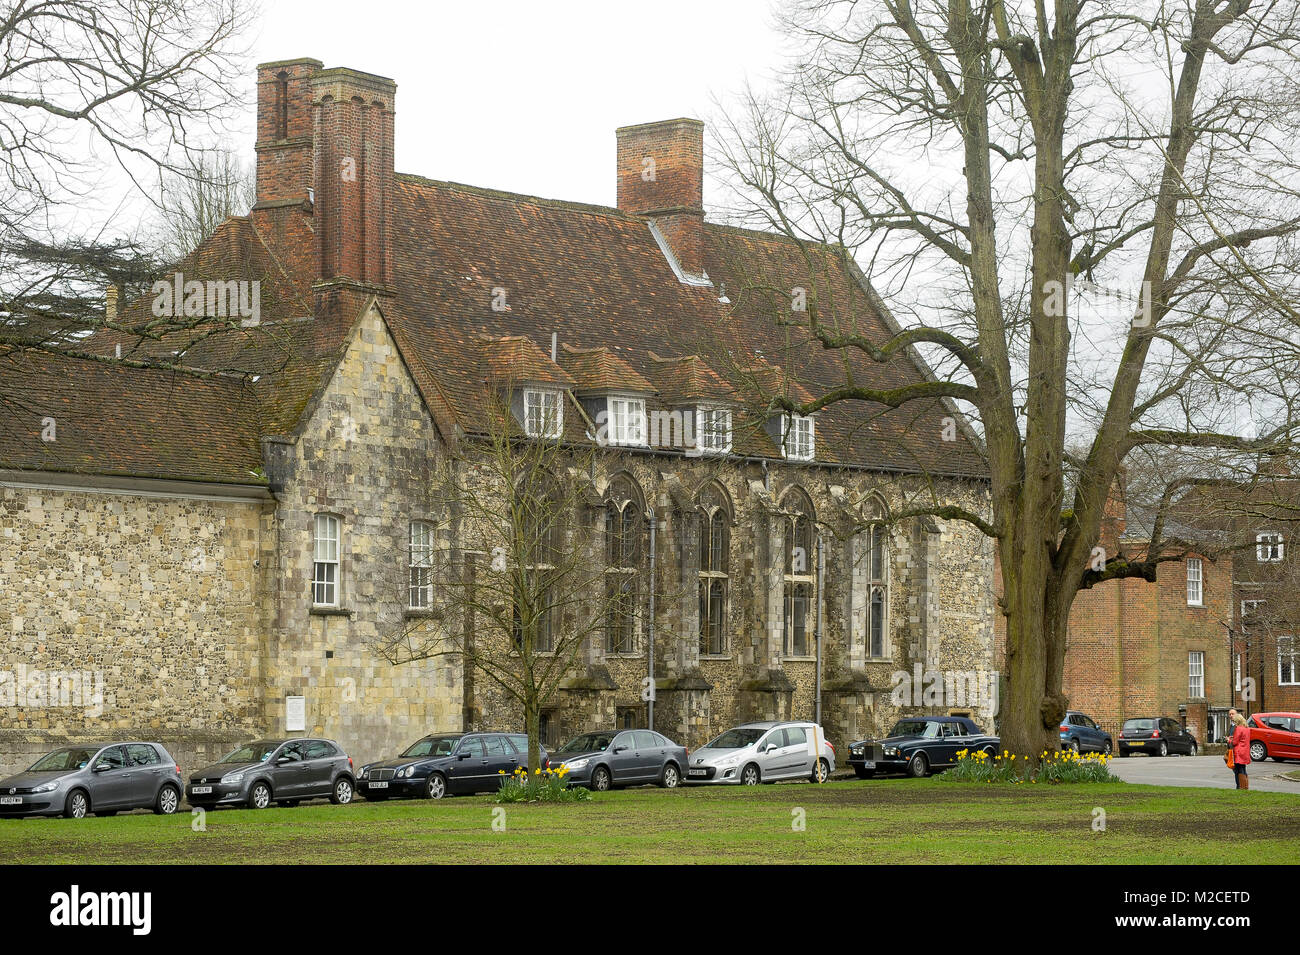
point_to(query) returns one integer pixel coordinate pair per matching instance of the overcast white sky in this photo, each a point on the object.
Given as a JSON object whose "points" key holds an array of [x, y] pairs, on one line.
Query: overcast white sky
{"points": [[525, 96]]}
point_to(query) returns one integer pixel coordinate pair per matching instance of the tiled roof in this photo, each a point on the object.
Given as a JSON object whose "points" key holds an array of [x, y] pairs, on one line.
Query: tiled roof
{"points": [[517, 360], [472, 266]]}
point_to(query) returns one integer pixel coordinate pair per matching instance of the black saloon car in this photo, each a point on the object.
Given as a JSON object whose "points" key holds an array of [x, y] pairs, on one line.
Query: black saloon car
{"points": [[600, 761], [1156, 736], [918, 744], [284, 771], [103, 778], [444, 764]]}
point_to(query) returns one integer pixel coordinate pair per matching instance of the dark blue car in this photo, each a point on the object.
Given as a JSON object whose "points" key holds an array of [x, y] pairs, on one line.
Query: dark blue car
{"points": [[1080, 733]]}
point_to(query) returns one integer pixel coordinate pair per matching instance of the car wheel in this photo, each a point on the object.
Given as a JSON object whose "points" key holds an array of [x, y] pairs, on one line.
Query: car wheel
{"points": [[1258, 752], [822, 773], [436, 787], [1108, 748], [750, 776], [77, 805], [863, 773], [342, 794], [259, 797], [601, 779], [1192, 750], [918, 766], [169, 800], [1164, 748], [671, 778], [1073, 746]]}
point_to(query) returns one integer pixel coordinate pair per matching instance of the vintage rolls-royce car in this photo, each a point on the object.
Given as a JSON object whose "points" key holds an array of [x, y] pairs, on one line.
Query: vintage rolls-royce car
{"points": [[918, 744]]}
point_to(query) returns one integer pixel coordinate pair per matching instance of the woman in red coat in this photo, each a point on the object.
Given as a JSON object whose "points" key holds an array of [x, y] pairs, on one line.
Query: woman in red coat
{"points": [[1240, 744]]}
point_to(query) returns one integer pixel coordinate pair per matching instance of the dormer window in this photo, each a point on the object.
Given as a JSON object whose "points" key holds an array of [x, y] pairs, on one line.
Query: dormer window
{"points": [[713, 429], [800, 437], [543, 413], [626, 421]]}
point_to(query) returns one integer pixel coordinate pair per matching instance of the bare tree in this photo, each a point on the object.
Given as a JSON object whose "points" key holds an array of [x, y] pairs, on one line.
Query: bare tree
{"points": [[521, 585], [1086, 217], [195, 202]]}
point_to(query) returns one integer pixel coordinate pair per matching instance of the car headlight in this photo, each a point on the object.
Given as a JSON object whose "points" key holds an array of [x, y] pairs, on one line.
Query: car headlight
{"points": [[891, 751], [578, 763], [232, 779], [409, 771], [47, 788], [729, 761], [365, 771]]}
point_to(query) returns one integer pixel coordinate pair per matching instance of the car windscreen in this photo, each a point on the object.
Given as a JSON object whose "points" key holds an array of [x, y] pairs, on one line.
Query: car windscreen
{"points": [[258, 752], [588, 743], [1139, 724], [434, 746], [735, 739], [915, 728], [62, 760]]}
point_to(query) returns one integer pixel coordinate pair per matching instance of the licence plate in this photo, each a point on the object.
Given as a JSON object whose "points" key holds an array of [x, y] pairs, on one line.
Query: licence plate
{"points": [[11, 800], [1135, 742], [868, 764], [200, 790], [376, 785], [697, 772]]}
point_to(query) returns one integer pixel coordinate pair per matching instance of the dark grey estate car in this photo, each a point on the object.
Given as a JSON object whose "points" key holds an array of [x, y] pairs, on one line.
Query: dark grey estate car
{"points": [[601, 761], [285, 771], [103, 778]]}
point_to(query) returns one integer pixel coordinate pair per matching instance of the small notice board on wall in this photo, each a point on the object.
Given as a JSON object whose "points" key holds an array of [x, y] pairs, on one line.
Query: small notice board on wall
{"points": [[295, 713]]}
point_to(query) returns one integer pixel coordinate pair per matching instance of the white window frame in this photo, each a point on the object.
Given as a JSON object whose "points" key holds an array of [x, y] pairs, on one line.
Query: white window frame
{"points": [[1195, 582], [1196, 674], [1288, 646], [707, 433], [1236, 672], [793, 433], [325, 576], [536, 399], [1266, 542], [419, 551], [624, 410]]}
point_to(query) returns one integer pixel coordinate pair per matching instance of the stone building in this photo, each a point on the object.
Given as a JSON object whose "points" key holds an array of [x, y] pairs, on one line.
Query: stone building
{"points": [[209, 552]]}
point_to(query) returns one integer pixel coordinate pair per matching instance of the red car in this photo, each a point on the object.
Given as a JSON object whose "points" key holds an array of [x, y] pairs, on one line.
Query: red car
{"points": [[1274, 734]]}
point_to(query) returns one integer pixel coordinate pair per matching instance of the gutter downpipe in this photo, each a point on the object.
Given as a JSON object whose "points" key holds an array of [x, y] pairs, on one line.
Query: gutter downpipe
{"points": [[650, 629], [821, 574]]}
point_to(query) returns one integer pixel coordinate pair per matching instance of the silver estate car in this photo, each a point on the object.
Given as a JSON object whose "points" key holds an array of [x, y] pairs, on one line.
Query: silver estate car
{"points": [[103, 778], [764, 752]]}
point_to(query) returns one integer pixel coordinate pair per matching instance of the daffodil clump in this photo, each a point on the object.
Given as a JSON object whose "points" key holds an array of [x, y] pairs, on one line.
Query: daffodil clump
{"points": [[1052, 767], [541, 785]]}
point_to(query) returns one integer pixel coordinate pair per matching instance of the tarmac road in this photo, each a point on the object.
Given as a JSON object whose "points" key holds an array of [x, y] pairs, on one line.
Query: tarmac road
{"points": [[1205, 772]]}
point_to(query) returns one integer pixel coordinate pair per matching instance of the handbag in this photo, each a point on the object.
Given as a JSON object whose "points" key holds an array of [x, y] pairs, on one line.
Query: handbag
{"points": [[1228, 759]]}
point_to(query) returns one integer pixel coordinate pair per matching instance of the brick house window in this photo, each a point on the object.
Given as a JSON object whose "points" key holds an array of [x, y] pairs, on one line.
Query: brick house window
{"points": [[715, 572], [420, 564], [538, 550], [1288, 661], [1194, 582], [799, 579], [1269, 548], [548, 728], [325, 557], [622, 565], [800, 437], [713, 431], [1196, 674], [543, 413]]}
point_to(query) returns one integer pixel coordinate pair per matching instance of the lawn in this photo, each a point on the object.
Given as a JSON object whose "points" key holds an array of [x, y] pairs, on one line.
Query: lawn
{"points": [[896, 821]]}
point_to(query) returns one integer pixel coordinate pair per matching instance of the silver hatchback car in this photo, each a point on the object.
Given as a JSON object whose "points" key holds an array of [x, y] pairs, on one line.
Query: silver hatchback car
{"points": [[764, 752]]}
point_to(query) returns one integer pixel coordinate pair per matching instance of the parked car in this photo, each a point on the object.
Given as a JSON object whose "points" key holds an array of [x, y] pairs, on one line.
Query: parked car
{"points": [[1274, 734], [103, 778], [1079, 732], [1156, 735], [284, 771], [445, 764], [918, 745], [601, 761], [764, 752]]}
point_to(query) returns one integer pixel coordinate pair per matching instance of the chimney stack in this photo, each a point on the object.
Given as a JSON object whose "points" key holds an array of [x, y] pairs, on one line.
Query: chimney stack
{"points": [[325, 146], [661, 177]]}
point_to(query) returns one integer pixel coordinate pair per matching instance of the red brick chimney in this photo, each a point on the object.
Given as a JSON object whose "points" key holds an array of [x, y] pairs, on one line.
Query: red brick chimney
{"points": [[661, 177], [325, 144]]}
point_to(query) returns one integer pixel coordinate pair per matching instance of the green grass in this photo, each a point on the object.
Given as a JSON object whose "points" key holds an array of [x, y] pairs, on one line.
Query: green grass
{"points": [[896, 821]]}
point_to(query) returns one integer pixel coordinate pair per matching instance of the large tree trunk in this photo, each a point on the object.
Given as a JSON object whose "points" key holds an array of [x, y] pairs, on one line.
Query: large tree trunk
{"points": [[532, 719]]}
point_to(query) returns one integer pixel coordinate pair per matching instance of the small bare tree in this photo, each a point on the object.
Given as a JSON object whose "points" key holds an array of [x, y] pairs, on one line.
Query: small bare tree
{"points": [[194, 202], [520, 585]]}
